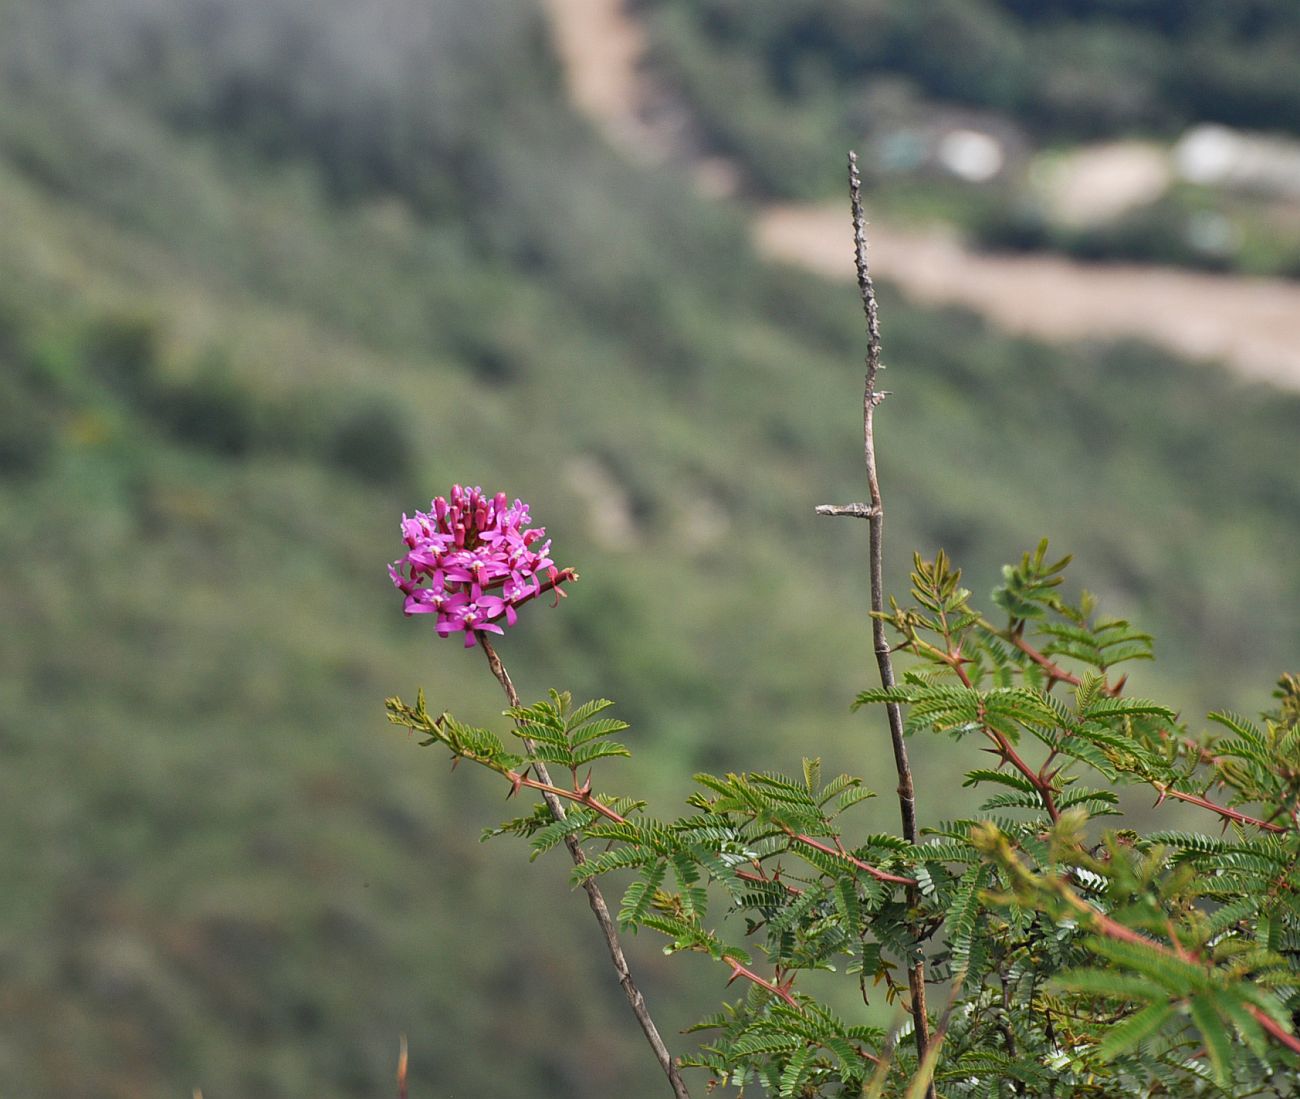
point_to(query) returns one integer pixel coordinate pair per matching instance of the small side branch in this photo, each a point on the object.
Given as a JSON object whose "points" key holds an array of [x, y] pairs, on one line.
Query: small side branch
{"points": [[1003, 749], [582, 795], [1233, 815], [839, 853], [857, 511], [738, 970], [1053, 670], [551, 794]]}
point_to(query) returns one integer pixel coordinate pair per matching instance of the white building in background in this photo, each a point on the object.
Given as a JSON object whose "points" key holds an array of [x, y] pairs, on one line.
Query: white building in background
{"points": [[1216, 156]]}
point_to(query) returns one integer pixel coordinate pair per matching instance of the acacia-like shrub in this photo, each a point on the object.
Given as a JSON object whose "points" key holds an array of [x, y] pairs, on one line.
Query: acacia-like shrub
{"points": [[1039, 948]]}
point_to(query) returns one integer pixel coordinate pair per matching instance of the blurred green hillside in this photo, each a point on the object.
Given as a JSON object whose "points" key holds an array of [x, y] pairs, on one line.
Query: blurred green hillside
{"points": [[1067, 70], [273, 272]]}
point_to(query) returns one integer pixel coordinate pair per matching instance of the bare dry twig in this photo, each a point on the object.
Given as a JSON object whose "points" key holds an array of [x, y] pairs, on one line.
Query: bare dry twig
{"points": [[874, 513]]}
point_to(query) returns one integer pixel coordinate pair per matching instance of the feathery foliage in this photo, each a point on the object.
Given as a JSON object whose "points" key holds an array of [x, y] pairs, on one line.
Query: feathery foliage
{"points": [[1078, 961]]}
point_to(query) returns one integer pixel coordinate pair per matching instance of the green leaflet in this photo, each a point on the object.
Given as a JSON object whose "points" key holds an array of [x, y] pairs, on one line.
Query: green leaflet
{"points": [[1135, 1029]]}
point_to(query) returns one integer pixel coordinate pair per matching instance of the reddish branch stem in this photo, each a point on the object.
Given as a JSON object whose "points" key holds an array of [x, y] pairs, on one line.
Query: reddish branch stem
{"points": [[1042, 783], [585, 797], [840, 853], [1275, 1031], [1041, 780], [739, 970], [1054, 670], [1222, 810], [582, 796], [763, 879]]}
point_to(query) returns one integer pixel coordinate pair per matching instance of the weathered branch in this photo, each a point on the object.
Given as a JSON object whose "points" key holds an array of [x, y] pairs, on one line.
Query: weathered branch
{"points": [[550, 793], [871, 398], [857, 511]]}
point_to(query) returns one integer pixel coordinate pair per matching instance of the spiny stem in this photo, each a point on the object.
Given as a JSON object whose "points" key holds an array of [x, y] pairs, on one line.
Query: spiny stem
{"points": [[1054, 671], [763, 879], [840, 853], [738, 970], [1222, 810], [594, 896], [1041, 780], [876, 542], [583, 797]]}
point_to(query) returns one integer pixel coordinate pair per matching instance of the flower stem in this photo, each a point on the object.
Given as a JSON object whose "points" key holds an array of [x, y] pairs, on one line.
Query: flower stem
{"points": [[594, 896]]}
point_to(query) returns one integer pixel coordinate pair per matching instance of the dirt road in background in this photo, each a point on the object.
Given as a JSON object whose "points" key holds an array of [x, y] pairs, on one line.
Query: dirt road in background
{"points": [[1251, 324], [602, 47]]}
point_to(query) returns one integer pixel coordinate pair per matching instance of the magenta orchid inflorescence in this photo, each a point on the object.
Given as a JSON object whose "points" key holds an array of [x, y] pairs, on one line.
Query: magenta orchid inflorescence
{"points": [[473, 561]]}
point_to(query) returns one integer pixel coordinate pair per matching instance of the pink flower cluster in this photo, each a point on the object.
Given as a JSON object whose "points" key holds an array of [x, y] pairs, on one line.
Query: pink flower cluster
{"points": [[472, 560]]}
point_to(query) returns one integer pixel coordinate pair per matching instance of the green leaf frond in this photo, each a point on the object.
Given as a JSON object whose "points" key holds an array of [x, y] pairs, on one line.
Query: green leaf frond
{"points": [[1081, 963], [557, 830], [572, 738], [1027, 588], [524, 826], [1101, 646]]}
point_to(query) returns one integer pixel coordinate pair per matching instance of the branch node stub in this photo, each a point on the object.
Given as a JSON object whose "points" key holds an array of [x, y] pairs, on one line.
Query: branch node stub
{"points": [[857, 511], [877, 396]]}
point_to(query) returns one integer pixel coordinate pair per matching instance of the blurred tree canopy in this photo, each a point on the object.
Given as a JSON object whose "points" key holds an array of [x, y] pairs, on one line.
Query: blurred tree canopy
{"points": [[1064, 70]]}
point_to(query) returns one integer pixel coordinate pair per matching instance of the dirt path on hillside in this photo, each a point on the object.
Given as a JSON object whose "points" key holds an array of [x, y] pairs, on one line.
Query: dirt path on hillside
{"points": [[1252, 324], [601, 47]]}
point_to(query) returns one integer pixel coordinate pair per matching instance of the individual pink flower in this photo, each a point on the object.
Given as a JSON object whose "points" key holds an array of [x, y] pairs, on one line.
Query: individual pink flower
{"points": [[472, 613], [472, 560]]}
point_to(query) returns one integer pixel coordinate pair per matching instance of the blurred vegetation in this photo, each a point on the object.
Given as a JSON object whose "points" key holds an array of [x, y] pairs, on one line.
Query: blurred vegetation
{"points": [[1187, 227], [772, 85], [272, 272], [772, 77]]}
